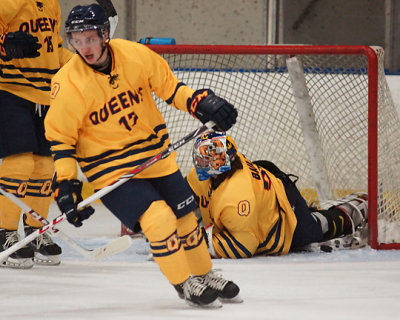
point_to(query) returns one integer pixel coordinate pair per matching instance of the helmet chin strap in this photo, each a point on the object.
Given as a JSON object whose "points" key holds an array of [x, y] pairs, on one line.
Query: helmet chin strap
{"points": [[104, 50], [104, 67]]}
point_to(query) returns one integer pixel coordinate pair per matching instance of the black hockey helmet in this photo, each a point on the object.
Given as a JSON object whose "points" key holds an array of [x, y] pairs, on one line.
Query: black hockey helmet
{"points": [[90, 17]]}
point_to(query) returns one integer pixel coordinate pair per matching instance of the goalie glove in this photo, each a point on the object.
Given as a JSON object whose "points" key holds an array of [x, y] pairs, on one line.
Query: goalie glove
{"points": [[205, 106], [18, 45], [67, 195]]}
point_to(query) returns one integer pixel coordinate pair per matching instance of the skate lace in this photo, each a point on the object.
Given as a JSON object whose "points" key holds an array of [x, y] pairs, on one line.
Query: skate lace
{"points": [[195, 286], [43, 240], [11, 238], [215, 281]]}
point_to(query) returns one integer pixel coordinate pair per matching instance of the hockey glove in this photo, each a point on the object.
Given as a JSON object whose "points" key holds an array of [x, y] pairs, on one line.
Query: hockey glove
{"points": [[205, 106], [18, 45], [68, 195]]}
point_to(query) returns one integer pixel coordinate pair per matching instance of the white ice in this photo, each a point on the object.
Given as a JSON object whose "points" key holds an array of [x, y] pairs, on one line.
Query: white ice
{"points": [[360, 284]]}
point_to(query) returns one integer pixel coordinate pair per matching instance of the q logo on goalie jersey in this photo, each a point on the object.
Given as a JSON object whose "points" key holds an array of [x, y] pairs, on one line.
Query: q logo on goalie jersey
{"points": [[54, 90]]}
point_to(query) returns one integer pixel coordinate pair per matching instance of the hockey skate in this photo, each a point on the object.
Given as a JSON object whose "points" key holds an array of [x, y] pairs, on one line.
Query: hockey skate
{"points": [[46, 252], [227, 290], [197, 294], [20, 259], [355, 206]]}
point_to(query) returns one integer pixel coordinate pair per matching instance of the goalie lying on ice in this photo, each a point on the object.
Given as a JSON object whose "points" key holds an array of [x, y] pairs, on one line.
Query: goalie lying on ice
{"points": [[252, 208]]}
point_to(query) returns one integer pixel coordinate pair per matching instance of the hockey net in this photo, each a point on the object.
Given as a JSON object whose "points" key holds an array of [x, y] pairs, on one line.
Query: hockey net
{"points": [[352, 120]]}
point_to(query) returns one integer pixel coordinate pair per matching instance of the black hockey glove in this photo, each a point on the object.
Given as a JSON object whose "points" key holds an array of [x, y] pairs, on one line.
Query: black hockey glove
{"points": [[68, 194], [18, 45], [206, 106]]}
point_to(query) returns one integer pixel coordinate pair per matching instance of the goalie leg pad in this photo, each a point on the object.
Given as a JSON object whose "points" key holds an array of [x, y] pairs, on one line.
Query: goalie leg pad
{"points": [[15, 171], [355, 209], [159, 226], [195, 246], [338, 223]]}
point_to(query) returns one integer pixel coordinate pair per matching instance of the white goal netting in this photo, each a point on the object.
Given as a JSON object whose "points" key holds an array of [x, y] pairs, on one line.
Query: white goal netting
{"points": [[259, 86]]}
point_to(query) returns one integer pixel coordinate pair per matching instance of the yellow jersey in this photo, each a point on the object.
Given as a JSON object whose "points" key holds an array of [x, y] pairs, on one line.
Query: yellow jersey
{"points": [[250, 212], [111, 123], [30, 78]]}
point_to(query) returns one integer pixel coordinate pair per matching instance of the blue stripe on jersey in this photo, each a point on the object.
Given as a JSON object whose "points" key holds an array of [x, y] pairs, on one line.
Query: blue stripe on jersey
{"points": [[222, 247], [271, 233], [37, 195], [131, 164], [239, 245], [21, 76], [22, 69], [277, 238], [231, 244], [126, 154], [47, 88], [275, 230], [171, 99], [109, 152], [60, 154]]}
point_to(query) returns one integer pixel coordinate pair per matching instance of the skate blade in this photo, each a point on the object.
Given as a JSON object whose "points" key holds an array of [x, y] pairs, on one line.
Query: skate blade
{"points": [[17, 263], [216, 304], [237, 299], [46, 260]]}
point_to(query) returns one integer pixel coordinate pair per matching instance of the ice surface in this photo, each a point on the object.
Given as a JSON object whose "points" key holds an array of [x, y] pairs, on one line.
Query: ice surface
{"points": [[359, 284]]}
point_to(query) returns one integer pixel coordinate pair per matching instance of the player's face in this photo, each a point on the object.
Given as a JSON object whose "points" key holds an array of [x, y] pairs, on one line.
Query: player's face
{"points": [[89, 45]]}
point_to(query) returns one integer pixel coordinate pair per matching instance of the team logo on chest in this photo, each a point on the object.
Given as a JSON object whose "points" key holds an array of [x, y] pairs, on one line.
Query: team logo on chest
{"points": [[118, 103]]}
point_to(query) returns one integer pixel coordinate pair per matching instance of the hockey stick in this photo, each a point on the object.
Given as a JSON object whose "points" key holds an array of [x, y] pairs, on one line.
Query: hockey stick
{"points": [[111, 14], [116, 246], [97, 195]]}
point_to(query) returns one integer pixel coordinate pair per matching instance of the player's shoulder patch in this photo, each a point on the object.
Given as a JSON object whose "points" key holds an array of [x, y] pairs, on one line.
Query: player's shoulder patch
{"points": [[54, 90]]}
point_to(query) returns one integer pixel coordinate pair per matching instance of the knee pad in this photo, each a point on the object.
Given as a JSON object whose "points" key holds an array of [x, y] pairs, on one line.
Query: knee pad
{"points": [[39, 184], [189, 231], [158, 222], [43, 167], [159, 225], [38, 193], [19, 166], [15, 171]]}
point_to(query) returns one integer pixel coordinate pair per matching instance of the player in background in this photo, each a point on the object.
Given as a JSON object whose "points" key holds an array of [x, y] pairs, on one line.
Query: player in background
{"points": [[103, 115], [31, 53], [254, 208]]}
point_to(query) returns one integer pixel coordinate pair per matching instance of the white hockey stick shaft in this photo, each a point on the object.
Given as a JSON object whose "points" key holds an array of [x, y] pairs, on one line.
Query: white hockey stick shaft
{"points": [[89, 254], [109, 249], [111, 14], [97, 195]]}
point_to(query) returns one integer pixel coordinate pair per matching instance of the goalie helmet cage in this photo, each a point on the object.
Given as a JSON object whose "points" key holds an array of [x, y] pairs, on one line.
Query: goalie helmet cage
{"points": [[357, 128]]}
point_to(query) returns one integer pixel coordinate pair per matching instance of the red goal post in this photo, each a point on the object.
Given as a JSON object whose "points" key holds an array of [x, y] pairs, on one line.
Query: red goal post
{"points": [[354, 125]]}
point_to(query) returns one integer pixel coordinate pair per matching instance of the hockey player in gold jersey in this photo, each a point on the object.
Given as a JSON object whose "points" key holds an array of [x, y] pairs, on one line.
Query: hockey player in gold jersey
{"points": [[103, 115], [254, 208], [31, 53]]}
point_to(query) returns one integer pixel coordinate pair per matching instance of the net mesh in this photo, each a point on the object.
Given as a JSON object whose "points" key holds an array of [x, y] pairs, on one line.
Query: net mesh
{"points": [[268, 126]]}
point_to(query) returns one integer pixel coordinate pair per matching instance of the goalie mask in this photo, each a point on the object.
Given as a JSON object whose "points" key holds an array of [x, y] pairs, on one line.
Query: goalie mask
{"points": [[213, 153]]}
